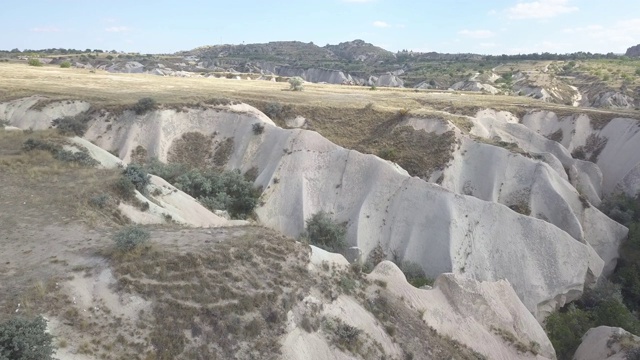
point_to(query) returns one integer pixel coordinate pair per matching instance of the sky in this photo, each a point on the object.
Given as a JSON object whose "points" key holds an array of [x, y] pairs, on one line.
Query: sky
{"points": [[446, 26]]}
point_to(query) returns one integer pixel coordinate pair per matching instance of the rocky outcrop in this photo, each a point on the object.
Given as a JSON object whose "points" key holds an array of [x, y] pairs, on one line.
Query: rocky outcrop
{"points": [[474, 86], [315, 75], [388, 80], [487, 310], [633, 51], [481, 315], [608, 343], [132, 67], [613, 99], [614, 147], [382, 205]]}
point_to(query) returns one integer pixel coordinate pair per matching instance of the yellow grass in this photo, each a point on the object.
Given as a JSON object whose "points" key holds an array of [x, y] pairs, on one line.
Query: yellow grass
{"points": [[104, 89]]}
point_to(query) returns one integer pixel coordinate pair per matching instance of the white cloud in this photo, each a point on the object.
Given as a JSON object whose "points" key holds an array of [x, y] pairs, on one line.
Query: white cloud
{"points": [[488, 44], [381, 24], [617, 35], [117, 29], [477, 34], [46, 29], [541, 9]]}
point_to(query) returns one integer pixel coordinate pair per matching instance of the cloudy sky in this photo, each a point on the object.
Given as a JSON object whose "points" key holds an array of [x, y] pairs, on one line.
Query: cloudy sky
{"points": [[477, 26]]}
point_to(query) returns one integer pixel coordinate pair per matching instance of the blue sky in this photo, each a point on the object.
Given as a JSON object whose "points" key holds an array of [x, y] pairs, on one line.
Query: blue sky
{"points": [[478, 26]]}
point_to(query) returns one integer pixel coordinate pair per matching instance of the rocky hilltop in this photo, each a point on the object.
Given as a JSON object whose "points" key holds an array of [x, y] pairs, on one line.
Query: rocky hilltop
{"points": [[633, 51]]}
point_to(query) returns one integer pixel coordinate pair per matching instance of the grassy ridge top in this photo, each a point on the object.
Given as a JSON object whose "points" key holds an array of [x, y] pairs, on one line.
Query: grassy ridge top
{"points": [[111, 89]]}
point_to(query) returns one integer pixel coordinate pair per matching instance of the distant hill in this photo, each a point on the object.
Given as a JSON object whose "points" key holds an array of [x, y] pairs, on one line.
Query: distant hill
{"points": [[359, 50], [633, 51]]}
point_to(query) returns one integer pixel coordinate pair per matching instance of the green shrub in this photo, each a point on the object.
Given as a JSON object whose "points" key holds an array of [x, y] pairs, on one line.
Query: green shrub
{"points": [[258, 128], [273, 109], [144, 105], [296, 84], [35, 62], [72, 125], [138, 176], [124, 188], [216, 190], [388, 154], [21, 339], [565, 330], [601, 306], [325, 233], [415, 274], [58, 152], [78, 157], [65, 64], [99, 201], [130, 238]]}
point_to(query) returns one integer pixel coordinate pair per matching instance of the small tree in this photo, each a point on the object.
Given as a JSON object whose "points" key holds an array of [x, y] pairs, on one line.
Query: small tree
{"points": [[65, 64], [137, 175], [296, 84], [130, 238], [34, 62], [325, 233], [21, 339], [144, 105]]}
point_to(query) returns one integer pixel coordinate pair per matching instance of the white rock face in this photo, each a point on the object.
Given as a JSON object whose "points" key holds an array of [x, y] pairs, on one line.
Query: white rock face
{"points": [[537, 185], [382, 205], [466, 310], [20, 114], [132, 67], [471, 312], [316, 75], [612, 99], [619, 159], [474, 86], [605, 343]]}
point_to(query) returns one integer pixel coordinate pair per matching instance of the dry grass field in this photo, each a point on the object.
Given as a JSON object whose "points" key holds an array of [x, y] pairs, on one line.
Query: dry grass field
{"points": [[109, 89]]}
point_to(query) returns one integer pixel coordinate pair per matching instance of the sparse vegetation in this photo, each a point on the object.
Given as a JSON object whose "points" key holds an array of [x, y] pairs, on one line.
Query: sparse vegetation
{"points": [[323, 232], [217, 190], [130, 238], [58, 152], [296, 84], [258, 128], [144, 105], [415, 274], [72, 125], [273, 109], [23, 339], [138, 176], [600, 306], [34, 62]]}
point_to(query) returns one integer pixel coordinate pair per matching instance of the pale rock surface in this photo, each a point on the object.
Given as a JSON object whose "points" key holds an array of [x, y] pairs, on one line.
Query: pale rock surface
{"points": [[131, 67], [466, 310], [619, 160], [19, 113], [315, 75], [538, 185], [382, 205], [606, 343], [469, 311], [474, 86], [296, 122], [613, 99]]}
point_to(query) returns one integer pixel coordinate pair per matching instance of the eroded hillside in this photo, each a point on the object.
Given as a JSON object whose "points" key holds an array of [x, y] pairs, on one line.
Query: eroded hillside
{"points": [[500, 192]]}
